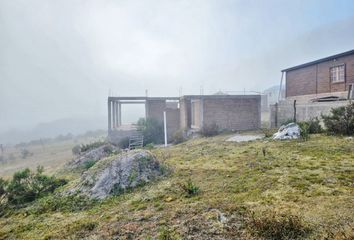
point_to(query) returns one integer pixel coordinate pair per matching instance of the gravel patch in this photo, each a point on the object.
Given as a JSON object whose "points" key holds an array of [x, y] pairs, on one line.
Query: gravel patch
{"points": [[244, 138]]}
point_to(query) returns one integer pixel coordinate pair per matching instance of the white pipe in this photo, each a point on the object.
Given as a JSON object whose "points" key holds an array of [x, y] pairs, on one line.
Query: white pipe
{"points": [[165, 127]]}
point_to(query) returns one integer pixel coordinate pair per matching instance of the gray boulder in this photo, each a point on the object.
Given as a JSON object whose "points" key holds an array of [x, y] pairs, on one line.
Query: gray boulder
{"points": [[118, 173]]}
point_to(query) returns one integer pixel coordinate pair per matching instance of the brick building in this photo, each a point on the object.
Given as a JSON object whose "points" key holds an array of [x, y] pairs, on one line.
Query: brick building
{"points": [[330, 76], [317, 87]]}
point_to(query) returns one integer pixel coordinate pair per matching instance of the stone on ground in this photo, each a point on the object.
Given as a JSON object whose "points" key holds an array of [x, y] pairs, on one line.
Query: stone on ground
{"points": [[118, 173]]}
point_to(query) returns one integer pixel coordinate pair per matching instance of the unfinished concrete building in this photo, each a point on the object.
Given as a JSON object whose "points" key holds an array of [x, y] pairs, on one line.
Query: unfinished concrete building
{"points": [[189, 112]]}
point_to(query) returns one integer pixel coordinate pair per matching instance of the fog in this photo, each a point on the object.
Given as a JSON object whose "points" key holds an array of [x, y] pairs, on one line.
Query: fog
{"points": [[60, 60]]}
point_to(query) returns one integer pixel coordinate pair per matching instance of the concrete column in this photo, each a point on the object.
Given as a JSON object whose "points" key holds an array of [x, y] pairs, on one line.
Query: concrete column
{"points": [[109, 116], [120, 114], [114, 114], [117, 111], [146, 109]]}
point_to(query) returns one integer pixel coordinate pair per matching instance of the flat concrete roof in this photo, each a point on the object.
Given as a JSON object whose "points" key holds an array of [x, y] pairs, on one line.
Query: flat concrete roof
{"points": [[139, 99], [219, 96]]}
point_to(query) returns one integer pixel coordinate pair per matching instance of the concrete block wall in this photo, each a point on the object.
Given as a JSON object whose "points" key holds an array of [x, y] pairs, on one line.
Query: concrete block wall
{"points": [[155, 109], [304, 111], [237, 113], [185, 108], [196, 121], [173, 124]]}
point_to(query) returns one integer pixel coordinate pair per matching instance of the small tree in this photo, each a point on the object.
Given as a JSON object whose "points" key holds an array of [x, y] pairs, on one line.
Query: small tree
{"points": [[304, 130], [26, 186], [152, 130], [340, 121]]}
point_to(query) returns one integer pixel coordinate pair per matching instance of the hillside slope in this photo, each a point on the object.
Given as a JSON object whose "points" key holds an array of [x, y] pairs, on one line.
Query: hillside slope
{"points": [[261, 189]]}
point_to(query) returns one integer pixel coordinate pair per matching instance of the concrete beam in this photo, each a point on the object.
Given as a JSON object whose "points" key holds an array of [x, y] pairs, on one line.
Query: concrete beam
{"points": [[132, 102], [220, 96], [142, 98]]}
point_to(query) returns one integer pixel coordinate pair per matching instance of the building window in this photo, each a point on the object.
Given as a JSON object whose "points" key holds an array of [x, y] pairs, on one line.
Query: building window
{"points": [[337, 74]]}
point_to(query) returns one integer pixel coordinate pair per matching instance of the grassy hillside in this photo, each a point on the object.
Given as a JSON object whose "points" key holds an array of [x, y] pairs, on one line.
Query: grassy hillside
{"points": [[260, 189], [52, 155]]}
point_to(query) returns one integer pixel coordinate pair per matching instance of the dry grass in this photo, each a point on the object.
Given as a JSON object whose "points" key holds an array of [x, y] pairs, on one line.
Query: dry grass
{"points": [[52, 156], [304, 187]]}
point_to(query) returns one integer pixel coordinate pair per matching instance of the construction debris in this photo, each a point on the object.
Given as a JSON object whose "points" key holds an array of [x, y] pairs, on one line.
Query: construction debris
{"points": [[290, 131]]}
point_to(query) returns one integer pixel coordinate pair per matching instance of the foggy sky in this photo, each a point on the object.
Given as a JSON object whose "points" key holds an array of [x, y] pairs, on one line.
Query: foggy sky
{"points": [[61, 59]]}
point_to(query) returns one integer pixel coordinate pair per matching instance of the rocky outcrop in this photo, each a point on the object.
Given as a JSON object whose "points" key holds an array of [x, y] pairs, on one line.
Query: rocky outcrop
{"points": [[118, 173], [93, 155]]}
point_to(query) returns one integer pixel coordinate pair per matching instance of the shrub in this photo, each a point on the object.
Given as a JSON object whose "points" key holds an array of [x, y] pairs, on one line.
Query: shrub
{"points": [[27, 186], [152, 130], [70, 203], [209, 130], [179, 136], [124, 143], [189, 188], [315, 126], [278, 226], [167, 234], [340, 121], [149, 146], [76, 150], [108, 149], [3, 184], [89, 164], [304, 130]]}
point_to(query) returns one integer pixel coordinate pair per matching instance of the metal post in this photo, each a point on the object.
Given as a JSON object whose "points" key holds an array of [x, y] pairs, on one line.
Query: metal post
{"points": [[276, 115], [294, 111], [165, 127]]}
